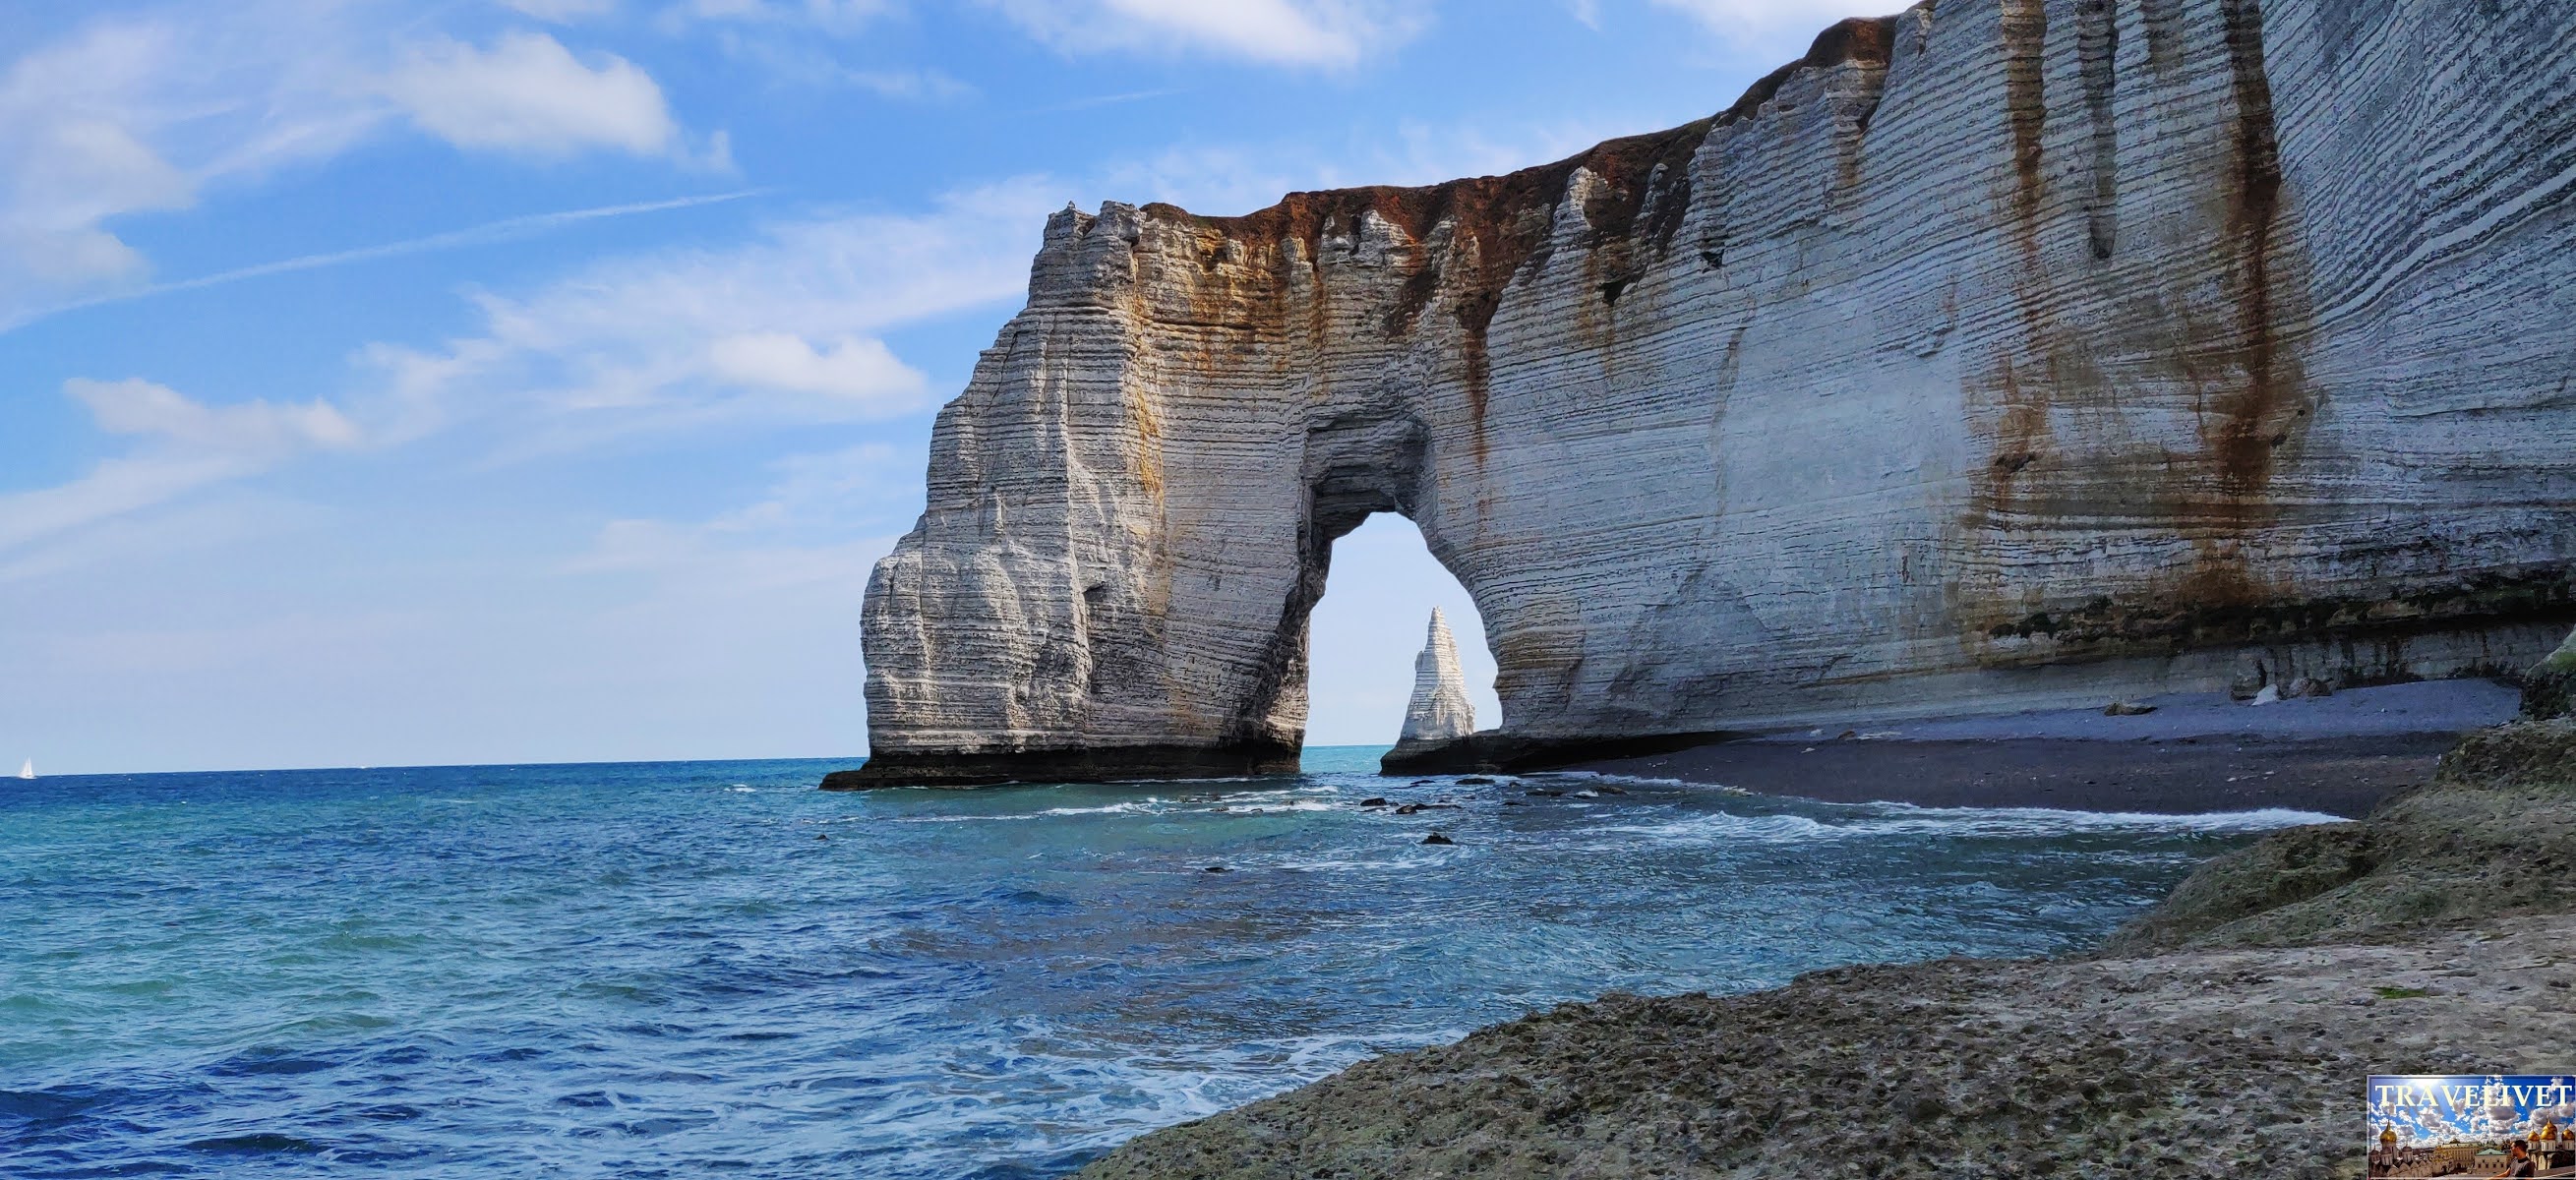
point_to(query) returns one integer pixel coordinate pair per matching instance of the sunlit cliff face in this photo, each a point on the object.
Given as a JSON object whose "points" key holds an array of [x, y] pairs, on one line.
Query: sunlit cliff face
{"points": [[1990, 355]]}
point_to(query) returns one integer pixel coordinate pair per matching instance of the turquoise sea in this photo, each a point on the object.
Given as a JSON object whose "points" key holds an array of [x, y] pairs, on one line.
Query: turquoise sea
{"points": [[702, 969]]}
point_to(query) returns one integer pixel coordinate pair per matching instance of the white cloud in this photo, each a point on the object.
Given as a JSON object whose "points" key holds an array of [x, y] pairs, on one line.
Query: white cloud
{"points": [[815, 503], [830, 15], [911, 85], [1749, 20], [528, 94], [183, 445], [147, 111], [785, 328], [1279, 32], [257, 430], [561, 11], [153, 108], [861, 370]]}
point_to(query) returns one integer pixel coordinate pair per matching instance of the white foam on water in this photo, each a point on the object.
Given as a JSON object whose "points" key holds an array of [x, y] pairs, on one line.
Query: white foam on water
{"points": [[1729, 828], [1405, 861], [2055, 821], [1646, 779], [1131, 807], [1242, 803], [1273, 809], [946, 819], [1897, 819]]}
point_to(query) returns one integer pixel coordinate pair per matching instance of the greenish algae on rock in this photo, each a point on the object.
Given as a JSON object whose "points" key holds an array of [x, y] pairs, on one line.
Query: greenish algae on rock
{"points": [[2549, 690]]}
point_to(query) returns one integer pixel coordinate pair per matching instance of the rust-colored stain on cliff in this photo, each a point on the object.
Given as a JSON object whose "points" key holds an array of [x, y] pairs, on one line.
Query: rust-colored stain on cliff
{"points": [[2025, 32], [2023, 425], [2239, 363], [2246, 435], [1498, 224]]}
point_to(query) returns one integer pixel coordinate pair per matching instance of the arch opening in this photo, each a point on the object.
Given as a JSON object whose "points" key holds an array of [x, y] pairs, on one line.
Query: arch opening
{"points": [[1363, 634]]}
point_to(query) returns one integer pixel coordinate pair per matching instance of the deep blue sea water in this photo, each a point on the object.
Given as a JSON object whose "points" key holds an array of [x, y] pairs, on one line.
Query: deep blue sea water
{"points": [[699, 969]]}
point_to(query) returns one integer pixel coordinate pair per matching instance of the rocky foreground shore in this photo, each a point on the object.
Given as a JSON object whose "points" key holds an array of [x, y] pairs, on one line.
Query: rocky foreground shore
{"points": [[2225, 1033]]}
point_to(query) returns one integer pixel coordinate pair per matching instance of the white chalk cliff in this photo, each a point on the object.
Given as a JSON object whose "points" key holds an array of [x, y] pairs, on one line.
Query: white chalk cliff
{"points": [[1440, 710], [1997, 354]]}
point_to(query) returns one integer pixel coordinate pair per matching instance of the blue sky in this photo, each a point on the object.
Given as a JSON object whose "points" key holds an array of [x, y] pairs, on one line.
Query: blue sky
{"points": [[516, 380]]}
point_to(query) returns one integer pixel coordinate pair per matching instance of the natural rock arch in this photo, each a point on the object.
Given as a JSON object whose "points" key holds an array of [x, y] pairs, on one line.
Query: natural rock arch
{"points": [[1999, 354]]}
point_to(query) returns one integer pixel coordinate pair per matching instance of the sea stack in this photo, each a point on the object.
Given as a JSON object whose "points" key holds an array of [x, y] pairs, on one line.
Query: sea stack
{"points": [[1995, 355], [1440, 711]]}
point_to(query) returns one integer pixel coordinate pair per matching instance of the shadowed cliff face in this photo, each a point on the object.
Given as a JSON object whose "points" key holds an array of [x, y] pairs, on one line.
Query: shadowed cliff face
{"points": [[1993, 354]]}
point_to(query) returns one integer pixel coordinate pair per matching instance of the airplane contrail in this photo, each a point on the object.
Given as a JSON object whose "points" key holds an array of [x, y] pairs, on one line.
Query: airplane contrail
{"points": [[496, 231]]}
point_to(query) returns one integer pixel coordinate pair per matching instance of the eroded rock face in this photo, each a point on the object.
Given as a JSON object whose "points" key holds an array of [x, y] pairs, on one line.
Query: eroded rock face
{"points": [[1998, 354], [1440, 710]]}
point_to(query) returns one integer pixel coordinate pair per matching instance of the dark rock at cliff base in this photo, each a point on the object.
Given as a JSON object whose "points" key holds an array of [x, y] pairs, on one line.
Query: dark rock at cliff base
{"points": [[1101, 765], [1480, 755]]}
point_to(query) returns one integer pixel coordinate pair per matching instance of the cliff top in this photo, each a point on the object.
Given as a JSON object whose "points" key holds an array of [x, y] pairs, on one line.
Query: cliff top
{"points": [[1645, 174]]}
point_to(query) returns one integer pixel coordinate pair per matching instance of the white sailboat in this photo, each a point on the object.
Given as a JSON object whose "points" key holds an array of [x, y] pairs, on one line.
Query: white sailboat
{"points": [[26, 769]]}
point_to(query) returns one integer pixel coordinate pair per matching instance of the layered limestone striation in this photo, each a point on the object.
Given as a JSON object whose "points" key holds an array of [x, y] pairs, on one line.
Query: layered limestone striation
{"points": [[1996, 354], [1440, 710]]}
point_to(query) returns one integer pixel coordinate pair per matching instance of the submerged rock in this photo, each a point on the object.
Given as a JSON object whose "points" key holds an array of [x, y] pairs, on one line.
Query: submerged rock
{"points": [[1437, 838]]}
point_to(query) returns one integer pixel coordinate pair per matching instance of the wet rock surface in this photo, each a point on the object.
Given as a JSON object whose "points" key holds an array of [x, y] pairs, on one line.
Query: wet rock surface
{"points": [[2292, 970], [2198, 1064]]}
